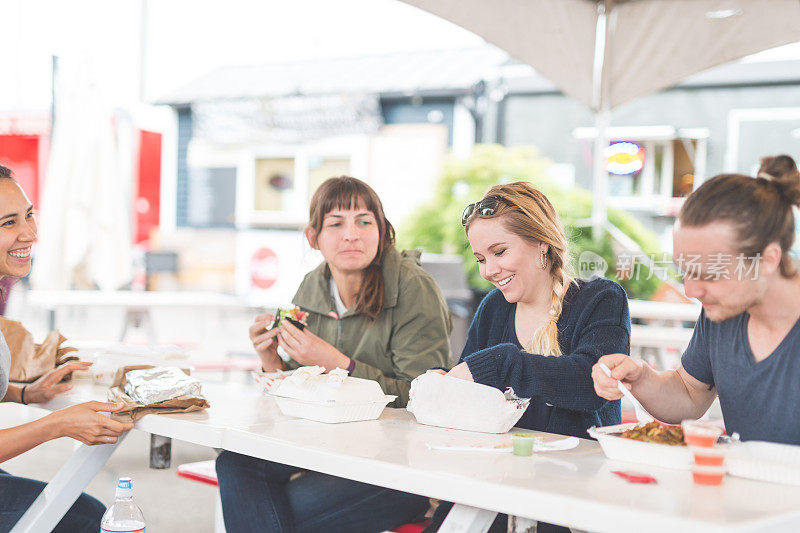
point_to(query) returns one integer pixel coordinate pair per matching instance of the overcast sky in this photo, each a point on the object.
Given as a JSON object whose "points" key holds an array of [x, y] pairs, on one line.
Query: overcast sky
{"points": [[187, 38]]}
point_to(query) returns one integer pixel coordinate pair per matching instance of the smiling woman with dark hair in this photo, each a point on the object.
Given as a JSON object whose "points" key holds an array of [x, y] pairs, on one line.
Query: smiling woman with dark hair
{"points": [[82, 422]]}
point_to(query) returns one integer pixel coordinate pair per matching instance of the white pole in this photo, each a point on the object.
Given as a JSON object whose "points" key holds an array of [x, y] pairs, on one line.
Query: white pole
{"points": [[601, 120], [142, 51], [599, 173]]}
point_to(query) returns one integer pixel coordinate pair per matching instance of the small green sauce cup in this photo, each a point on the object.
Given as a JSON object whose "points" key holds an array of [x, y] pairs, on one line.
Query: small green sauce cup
{"points": [[523, 443]]}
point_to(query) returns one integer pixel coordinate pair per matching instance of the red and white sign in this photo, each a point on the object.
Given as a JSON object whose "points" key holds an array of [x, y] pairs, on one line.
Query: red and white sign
{"points": [[264, 268], [270, 264]]}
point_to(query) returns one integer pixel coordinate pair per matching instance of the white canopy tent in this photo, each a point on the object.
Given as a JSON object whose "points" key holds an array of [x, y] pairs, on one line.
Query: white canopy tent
{"points": [[84, 233], [605, 52]]}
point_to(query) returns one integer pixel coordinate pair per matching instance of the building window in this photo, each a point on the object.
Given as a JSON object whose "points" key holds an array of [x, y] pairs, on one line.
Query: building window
{"points": [[322, 168], [283, 185], [651, 166], [274, 184], [211, 197]]}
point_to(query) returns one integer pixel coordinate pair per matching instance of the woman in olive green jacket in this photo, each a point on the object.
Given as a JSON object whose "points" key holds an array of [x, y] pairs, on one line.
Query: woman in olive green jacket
{"points": [[373, 311], [408, 336]]}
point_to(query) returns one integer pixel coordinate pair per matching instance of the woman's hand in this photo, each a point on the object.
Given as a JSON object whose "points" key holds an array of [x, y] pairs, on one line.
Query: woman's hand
{"points": [[48, 386], [83, 422], [308, 349], [461, 371], [264, 342], [436, 371]]}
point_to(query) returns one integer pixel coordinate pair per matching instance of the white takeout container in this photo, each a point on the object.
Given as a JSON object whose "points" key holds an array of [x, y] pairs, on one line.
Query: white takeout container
{"points": [[318, 398], [437, 400], [765, 461], [635, 451], [332, 412]]}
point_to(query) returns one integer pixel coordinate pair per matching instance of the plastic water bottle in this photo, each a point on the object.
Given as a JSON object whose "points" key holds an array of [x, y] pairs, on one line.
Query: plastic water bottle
{"points": [[124, 516]]}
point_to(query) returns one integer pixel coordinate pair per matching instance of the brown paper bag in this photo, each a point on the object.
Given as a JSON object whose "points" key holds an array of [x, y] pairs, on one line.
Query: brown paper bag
{"points": [[30, 361], [133, 411]]}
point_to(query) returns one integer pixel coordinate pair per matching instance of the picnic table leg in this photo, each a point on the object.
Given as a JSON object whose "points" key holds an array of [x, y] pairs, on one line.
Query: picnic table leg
{"points": [[160, 451], [149, 327], [466, 519], [127, 321], [61, 492], [517, 524], [139, 318]]}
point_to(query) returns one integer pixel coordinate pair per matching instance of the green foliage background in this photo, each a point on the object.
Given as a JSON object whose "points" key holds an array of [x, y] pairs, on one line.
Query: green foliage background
{"points": [[436, 227]]}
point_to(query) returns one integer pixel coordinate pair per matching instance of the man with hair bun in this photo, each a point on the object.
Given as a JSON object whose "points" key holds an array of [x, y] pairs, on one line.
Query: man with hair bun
{"points": [[732, 239]]}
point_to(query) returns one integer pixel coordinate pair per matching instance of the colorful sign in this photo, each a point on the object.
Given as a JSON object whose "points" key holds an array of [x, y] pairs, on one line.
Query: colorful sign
{"points": [[624, 158]]}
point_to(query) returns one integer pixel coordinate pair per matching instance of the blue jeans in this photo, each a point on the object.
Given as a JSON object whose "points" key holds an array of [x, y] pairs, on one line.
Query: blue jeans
{"points": [[259, 495], [18, 493]]}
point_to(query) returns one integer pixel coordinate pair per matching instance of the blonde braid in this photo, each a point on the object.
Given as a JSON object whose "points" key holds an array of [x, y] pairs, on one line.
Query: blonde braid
{"points": [[545, 339]]}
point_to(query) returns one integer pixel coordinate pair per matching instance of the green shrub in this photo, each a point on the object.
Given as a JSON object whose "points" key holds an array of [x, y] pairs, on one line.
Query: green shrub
{"points": [[436, 227]]}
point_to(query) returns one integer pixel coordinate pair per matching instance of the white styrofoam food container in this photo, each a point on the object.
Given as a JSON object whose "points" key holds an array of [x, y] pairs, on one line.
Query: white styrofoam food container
{"points": [[309, 383], [765, 461], [324, 398], [444, 401], [332, 412], [636, 451]]}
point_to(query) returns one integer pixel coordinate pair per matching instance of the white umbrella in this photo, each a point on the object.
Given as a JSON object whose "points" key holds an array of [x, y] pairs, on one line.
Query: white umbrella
{"points": [[605, 53], [84, 233]]}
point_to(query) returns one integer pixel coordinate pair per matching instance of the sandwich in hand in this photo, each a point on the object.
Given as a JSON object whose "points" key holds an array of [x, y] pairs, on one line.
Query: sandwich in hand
{"points": [[294, 315]]}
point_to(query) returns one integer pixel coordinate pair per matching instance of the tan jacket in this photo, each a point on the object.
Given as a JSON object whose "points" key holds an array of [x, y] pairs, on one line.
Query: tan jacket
{"points": [[407, 338]]}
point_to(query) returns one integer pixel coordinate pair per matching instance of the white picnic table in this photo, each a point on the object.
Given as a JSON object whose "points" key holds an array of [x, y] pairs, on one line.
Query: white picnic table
{"points": [[575, 488]]}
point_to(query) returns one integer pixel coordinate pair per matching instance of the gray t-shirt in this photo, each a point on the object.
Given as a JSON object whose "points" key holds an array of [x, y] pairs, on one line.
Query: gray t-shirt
{"points": [[5, 366], [759, 400]]}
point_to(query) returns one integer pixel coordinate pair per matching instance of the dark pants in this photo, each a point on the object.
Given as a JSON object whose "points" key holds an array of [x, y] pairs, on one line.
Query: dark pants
{"points": [[500, 524], [17, 495], [259, 495]]}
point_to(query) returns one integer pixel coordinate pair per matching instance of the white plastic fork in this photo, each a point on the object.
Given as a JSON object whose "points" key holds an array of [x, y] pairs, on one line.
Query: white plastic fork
{"points": [[641, 413]]}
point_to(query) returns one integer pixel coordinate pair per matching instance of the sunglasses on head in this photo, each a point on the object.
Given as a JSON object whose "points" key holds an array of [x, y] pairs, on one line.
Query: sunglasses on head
{"points": [[485, 207]]}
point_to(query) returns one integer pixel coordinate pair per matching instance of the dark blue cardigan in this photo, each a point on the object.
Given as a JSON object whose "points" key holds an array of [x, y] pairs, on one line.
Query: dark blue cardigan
{"points": [[594, 321]]}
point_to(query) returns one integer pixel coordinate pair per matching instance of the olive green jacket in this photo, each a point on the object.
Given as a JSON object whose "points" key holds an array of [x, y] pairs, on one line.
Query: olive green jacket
{"points": [[407, 338]]}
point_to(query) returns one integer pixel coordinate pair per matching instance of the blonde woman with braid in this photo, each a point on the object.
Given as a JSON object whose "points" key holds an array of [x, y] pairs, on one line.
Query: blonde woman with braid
{"points": [[540, 331]]}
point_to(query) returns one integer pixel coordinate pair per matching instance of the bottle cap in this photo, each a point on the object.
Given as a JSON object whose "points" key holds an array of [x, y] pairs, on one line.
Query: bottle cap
{"points": [[124, 488]]}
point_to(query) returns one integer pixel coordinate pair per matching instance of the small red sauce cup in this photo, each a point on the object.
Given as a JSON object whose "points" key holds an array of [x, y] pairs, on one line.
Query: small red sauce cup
{"points": [[708, 475], [708, 456], [701, 434]]}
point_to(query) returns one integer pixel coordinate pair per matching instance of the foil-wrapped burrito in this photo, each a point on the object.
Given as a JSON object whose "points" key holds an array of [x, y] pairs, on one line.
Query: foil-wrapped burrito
{"points": [[153, 385]]}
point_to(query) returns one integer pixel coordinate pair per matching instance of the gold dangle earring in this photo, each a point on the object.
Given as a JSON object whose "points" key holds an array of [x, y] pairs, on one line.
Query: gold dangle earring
{"points": [[543, 260]]}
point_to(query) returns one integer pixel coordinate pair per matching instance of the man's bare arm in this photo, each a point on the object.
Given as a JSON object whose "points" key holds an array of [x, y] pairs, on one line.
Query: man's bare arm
{"points": [[670, 396]]}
